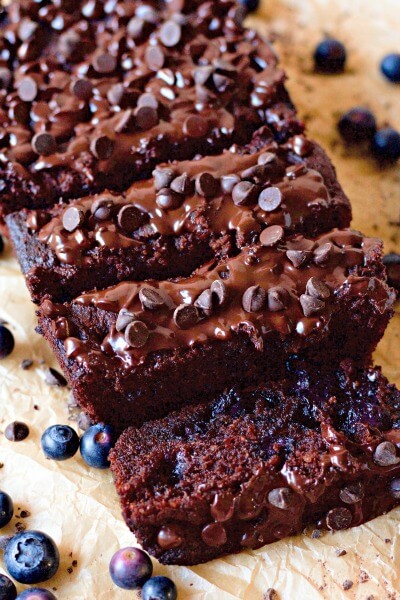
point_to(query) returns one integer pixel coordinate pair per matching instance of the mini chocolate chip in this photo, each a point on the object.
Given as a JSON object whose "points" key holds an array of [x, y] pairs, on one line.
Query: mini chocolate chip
{"points": [[151, 298], [298, 257], [186, 316], [266, 158], [125, 317], [16, 431], [82, 89], [221, 82], [385, 455], [206, 185], [214, 534], [255, 173], [301, 145], [254, 299], [281, 498], [104, 63], [219, 291], [27, 29], [148, 99], [322, 253], [170, 33], [168, 199], [228, 182], [270, 594], [244, 193], [295, 171], [182, 184], [27, 89], [101, 208], [125, 121], [136, 334], [311, 305], [116, 93], [154, 57], [130, 218], [102, 147], [26, 364], [205, 302], [277, 298], [272, 235], [54, 378], [146, 117], [5, 78], [72, 218], [44, 144], [169, 538], [270, 199], [162, 177], [352, 493], [347, 584], [317, 288], [202, 74], [195, 126], [394, 487], [338, 518], [135, 28]]}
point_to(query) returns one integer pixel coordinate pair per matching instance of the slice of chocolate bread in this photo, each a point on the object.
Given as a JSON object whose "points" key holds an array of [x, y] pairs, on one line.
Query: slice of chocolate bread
{"points": [[138, 350], [251, 467], [188, 214]]}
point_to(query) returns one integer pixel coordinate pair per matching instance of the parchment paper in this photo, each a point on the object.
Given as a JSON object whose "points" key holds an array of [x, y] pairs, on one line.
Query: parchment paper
{"points": [[77, 506]]}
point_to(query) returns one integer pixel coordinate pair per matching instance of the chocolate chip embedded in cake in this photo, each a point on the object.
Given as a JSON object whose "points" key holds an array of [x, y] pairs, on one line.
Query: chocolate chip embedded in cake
{"points": [[96, 100], [184, 216], [255, 466], [229, 322]]}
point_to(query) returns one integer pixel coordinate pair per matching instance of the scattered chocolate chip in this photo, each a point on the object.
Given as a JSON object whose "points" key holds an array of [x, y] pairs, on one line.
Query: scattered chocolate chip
{"points": [[207, 185], [385, 454], [162, 177], [168, 199], [101, 208], [182, 184], [135, 28], [254, 299], [347, 584], [102, 147], [170, 33], [295, 171], [392, 264], [340, 552], [130, 218], [322, 253], [338, 518], [186, 316], [146, 117], [154, 57], [27, 89], [214, 534], [137, 334], [195, 126], [352, 493], [394, 487], [298, 257], [125, 121], [202, 74], [219, 292], [228, 182], [151, 298], [44, 144], [270, 594], [221, 82], [73, 218], [205, 302], [281, 498], [301, 145], [266, 158], [168, 538], [278, 298], [272, 235], [244, 193], [5, 78], [104, 63], [26, 364], [270, 199], [83, 421], [125, 317], [317, 288], [16, 431], [27, 29], [82, 89], [148, 99], [311, 305], [54, 378]]}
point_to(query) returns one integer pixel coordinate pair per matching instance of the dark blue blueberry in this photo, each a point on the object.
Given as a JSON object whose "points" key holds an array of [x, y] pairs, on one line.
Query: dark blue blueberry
{"points": [[96, 444], [36, 594], [31, 557], [330, 56], [6, 509], [250, 5], [8, 591], [390, 67], [60, 442], [357, 125], [130, 568], [159, 588], [6, 342], [386, 144]]}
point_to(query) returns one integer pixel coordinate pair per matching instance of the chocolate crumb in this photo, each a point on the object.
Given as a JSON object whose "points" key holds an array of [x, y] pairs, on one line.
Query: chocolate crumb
{"points": [[25, 514], [363, 576], [26, 364], [271, 594], [70, 570], [347, 585], [388, 541], [340, 552], [19, 527], [54, 378], [35, 407], [74, 563]]}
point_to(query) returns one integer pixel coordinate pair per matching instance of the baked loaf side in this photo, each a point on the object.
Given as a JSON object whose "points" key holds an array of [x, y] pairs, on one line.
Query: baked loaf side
{"points": [[156, 346], [252, 467]]}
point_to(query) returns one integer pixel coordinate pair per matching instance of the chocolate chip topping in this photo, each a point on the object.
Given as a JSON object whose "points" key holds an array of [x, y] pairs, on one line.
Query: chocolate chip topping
{"points": [[162, 177], [219, 292], [170, 34], [254, 299], [154, 57], [168, 538], [195, 126], [205, 302], [228, 182], [151, 298], [270, 199], [5, 78], [214, 534], [352, 493], [148, 99], [168, 199], [82, 89], [266, 158], [311, 305], [272, 235], [130, 218], [206, 185], [395, 488], [298, 257], [16, 431], [101, 208], [339, 518], [27, 89], [102, 147], [136, 334], [278, 298], [244, 193], [281, 498], [385, 454], [186, 316], [104, 63], [44, 144], [125, 317], [322, 253], [182, 184], [73, 218], [146, 117], [317, 288]]}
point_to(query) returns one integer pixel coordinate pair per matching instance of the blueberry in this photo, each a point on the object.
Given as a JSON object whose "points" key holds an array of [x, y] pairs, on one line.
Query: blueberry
{"points": [[6, 342], [60, 442], [250, 5], [330, 56], [96, 444], [8, 591], [130, 568], [36, 594], [386, 144], [31, 557], [357, 125], [6, 509], [390, 67], [159, 588]]}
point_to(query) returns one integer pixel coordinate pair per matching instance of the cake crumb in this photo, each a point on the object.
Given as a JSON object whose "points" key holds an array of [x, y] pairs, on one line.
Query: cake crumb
{"points": [[347, 584]]}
